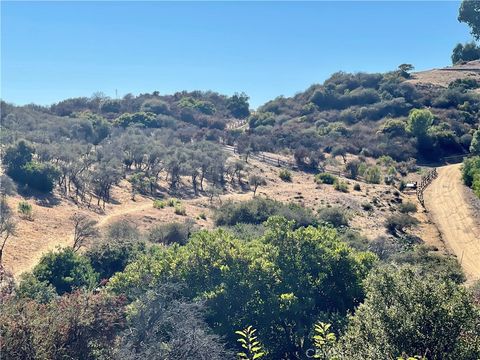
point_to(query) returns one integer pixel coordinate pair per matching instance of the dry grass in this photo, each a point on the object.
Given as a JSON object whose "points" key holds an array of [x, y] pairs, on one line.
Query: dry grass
{"points": [[52, 226], [442, 77]]}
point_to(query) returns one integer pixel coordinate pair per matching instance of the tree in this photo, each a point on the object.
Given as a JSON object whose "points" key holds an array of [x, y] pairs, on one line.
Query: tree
{"points": [[7, 225], [156, 106], [238, 105], [405, 69], [7, 186], [412, 313], [84, 230], [465, 52], [66, 271], [324, 342], [255, 181], [352, 168], [475, 144], [340, 151], [469, 13], [104, 176], [419, 122], [16, 157]]}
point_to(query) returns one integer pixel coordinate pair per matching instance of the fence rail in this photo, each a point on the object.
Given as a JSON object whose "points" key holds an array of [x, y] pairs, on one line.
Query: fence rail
{"points": [[270, 160], [426, 180]]}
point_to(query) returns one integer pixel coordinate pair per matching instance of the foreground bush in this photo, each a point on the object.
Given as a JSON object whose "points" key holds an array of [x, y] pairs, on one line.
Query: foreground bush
{"points": [[65, 270], [405, 312], [74, 326], [270, 282]]}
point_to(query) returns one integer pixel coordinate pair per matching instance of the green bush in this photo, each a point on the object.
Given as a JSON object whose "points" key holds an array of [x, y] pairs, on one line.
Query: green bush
{"points": [[314, 273], [180, 209], [341, 186], [25, 209], [367, 206], [172, 233], [159, 204], [409, 311], [172, 202], [65, 271], [285, 175], [373, 175], [258, 210], [407, 207], [325, 178], [113, 255], [335, 216], [399, 222], [471, 173]]}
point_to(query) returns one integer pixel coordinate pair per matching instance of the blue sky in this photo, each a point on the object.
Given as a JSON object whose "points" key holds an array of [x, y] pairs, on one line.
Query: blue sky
{"points": [[55, 50]]}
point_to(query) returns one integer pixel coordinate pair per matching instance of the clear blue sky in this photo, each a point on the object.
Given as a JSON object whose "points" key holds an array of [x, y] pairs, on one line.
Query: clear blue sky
{"points": [[55, 50]]}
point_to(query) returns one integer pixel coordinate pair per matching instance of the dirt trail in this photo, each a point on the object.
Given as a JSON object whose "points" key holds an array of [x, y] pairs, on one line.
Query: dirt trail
{"points": [[124, 211], [52, 228], [455, 218]]}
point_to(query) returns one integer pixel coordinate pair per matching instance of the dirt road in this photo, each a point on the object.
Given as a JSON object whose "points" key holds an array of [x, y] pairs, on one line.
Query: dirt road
{"points": [[457, 221]]}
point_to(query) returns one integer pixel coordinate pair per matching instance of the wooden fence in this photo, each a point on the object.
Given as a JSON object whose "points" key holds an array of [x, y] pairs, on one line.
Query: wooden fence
{"points": [[426, 180], [283, 163]]}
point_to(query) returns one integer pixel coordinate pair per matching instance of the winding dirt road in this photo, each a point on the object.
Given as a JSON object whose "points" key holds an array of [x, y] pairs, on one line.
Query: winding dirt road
{"points": [[455, 217]]}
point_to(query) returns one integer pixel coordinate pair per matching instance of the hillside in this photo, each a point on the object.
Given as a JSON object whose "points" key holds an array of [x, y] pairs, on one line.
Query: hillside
{"points": [[444, 76], [174, 139], [205, 217]]}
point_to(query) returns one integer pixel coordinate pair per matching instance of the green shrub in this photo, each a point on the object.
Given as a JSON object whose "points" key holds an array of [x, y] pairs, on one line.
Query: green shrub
{"points": [[25, 210], [399, 222], [341, 186], [334, 216], [180, 209], [113, 254], [159, 204], [285, 175], [407, 207], [65, 271], [202, 216], [373, 175], [172, 202], [325, 178], [258, 210], [367, 206], [172, 233], [471, 173]]}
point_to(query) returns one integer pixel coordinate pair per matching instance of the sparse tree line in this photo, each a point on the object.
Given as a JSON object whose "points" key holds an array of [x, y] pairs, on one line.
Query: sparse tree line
{"points": [[87, 173]]}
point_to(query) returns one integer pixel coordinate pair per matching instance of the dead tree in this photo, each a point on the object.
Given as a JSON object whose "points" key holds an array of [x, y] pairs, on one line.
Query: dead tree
{"points": [[84, 229]]}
